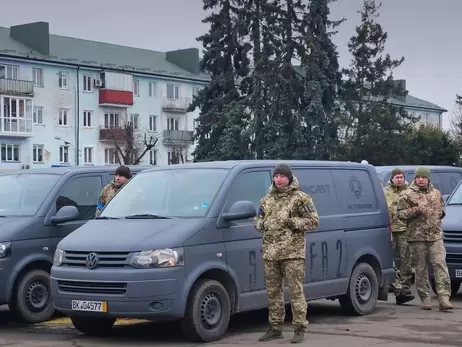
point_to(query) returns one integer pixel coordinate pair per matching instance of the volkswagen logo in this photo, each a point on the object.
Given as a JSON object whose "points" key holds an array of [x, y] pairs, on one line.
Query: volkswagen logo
{"points": [[92, 261]]}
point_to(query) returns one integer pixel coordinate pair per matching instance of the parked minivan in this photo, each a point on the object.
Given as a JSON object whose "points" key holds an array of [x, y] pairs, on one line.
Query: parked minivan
{"points": [[444, 178], [179, 243], [31, 206]]}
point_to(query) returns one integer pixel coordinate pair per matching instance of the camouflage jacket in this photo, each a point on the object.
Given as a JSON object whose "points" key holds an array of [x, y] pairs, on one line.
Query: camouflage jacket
{"points": [[106, 195], [283, 218], [423, 210], [392, 194]]}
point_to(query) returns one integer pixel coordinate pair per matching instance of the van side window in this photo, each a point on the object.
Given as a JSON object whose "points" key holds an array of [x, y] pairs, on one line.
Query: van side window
{"points": [[449, 181], [355, 191], [318, 184], [83, 193], [251, 186]]}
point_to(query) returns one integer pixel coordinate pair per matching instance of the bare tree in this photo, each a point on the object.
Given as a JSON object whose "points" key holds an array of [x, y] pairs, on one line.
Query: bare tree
{"points": [[456, 121], [130, 143]]}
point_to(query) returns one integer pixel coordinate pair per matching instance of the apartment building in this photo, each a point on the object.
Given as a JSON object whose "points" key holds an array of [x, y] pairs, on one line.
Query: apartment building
{"points": [[67, 101]]}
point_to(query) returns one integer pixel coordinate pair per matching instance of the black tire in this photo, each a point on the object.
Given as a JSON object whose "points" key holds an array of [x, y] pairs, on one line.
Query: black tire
{"points": [[93, 326], [31, 301], [363, 291], [196, 326], [455, 286]]}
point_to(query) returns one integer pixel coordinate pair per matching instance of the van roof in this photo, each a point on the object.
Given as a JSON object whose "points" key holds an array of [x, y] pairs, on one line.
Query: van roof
{"points": [[62, 170], [244, 164], [413, 167]]}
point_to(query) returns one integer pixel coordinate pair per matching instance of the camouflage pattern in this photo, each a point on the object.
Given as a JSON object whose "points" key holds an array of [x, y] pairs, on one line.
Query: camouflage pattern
{"points": [[422, 209], [402, 262], [432, 252], [293, 271], [392, 193], [106, 195], [284, 216]]}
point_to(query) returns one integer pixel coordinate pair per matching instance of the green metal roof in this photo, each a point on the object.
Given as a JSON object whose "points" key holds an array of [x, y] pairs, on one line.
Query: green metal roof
{"points": [[413, 102], [81, 52]]}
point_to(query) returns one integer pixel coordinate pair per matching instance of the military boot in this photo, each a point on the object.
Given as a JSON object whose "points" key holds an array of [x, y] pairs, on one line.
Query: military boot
{"points": [[426, 305], [271, 334], [299, 335], [445, 305], [403, 297]]}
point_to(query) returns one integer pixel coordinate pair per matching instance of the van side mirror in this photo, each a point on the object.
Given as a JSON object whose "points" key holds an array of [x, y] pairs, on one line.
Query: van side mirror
{"points": [[65, 214], [240, 210]]}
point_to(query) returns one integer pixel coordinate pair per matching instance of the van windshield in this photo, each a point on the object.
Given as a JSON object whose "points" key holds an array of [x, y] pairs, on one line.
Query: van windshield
{"points": [[23, 194], [456, 198], [177, 193]]}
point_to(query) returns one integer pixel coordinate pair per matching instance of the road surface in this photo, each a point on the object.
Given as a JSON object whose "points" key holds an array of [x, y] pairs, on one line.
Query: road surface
{"points": [[400, 326]]}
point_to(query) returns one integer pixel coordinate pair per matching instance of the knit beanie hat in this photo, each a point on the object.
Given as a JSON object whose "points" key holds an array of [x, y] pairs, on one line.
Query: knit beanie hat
{"points": [[124, 171], [283, 169], [423, 171], [396, 171]]}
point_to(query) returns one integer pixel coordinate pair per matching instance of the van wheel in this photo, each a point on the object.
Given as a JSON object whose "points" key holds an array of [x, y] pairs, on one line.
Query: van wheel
{"points": [[208, 312], [93, 326], [455, 286], [31, 301], [363, 291]]}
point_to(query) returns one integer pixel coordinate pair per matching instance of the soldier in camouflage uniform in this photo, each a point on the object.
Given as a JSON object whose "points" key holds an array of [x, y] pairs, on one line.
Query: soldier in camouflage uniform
{"points": [[122, 175], [402, 260], [422, 207], [285, 214]]}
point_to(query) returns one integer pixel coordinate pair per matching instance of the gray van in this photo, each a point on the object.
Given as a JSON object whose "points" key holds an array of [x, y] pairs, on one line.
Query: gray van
{"points": [[179, 243], [32, 204], [445, 178]]}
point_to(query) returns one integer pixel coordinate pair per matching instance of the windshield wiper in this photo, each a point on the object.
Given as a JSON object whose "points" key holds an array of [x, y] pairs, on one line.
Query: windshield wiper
{"points": [[106, 217], [146, 216], [454, 203]]}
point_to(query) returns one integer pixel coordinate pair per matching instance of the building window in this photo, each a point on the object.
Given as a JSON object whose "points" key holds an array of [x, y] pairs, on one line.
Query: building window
{"points": [[64, 154], [136, 87], [173, 124], [87, 119], [152, 123], [423, 118], [152, 89], [38, 115], [173, 91], [196, 91], [135, 121], [62, 80], [37, 74], [17, 115], [10, 153], [10, 72], [111, 120], [110, 156], [153, 157], [37, 154], [87, 87], [88, 155], [63, 119]]}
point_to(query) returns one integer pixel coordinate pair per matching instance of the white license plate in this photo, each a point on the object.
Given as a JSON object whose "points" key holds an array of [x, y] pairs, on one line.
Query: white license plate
{"points": [[459, 273], [89, 306]]}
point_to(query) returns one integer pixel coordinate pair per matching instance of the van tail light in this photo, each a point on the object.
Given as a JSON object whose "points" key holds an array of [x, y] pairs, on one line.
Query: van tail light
{"points": [[389, 229], [391, 233]]}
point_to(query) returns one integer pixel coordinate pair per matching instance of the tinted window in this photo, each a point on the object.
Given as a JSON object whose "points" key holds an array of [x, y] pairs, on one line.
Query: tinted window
{"points": [[178, 193], [81, 192], [355, 191], [251, 186], [318, 184], [23, 194], [385, 176], [449, 181]]}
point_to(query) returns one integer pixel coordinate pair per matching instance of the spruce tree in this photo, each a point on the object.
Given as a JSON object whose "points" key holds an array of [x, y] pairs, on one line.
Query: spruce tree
{"points": [[375, 129], [225, 59]]}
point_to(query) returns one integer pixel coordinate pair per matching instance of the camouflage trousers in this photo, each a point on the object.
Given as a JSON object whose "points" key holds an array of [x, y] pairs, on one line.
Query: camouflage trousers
{"points": [[434, 253], [402, 261], [293, 272]]}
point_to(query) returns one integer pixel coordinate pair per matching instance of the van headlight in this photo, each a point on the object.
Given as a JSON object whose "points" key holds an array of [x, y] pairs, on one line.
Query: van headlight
{"points": [[5, 248], [158, 258], [58, 257]]}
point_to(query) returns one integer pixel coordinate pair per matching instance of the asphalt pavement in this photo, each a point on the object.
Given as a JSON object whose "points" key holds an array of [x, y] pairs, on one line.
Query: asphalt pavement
{"points": [[400, 326]]}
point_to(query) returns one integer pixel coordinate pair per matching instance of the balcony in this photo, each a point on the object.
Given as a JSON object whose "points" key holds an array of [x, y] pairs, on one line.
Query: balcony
{"points": [[16, 87], [112, 134], [177, 137], [179, 105], [115, 98]]}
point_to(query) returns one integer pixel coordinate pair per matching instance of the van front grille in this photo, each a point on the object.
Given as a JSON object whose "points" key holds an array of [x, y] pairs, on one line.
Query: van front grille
{"points": [[451, 236], [105, 259], [104, 288]]}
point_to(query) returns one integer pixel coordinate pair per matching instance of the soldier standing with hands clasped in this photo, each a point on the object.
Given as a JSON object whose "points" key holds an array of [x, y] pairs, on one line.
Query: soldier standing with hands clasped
{"points": [[285, 214], [422, 207]]}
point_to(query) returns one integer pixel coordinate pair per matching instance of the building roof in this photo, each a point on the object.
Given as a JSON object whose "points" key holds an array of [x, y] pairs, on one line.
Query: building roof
{"points": [[413, 102], [33, 41]]}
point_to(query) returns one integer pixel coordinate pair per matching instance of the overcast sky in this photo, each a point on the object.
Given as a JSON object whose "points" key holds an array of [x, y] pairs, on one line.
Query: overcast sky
{"points": [[425, 32]]}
